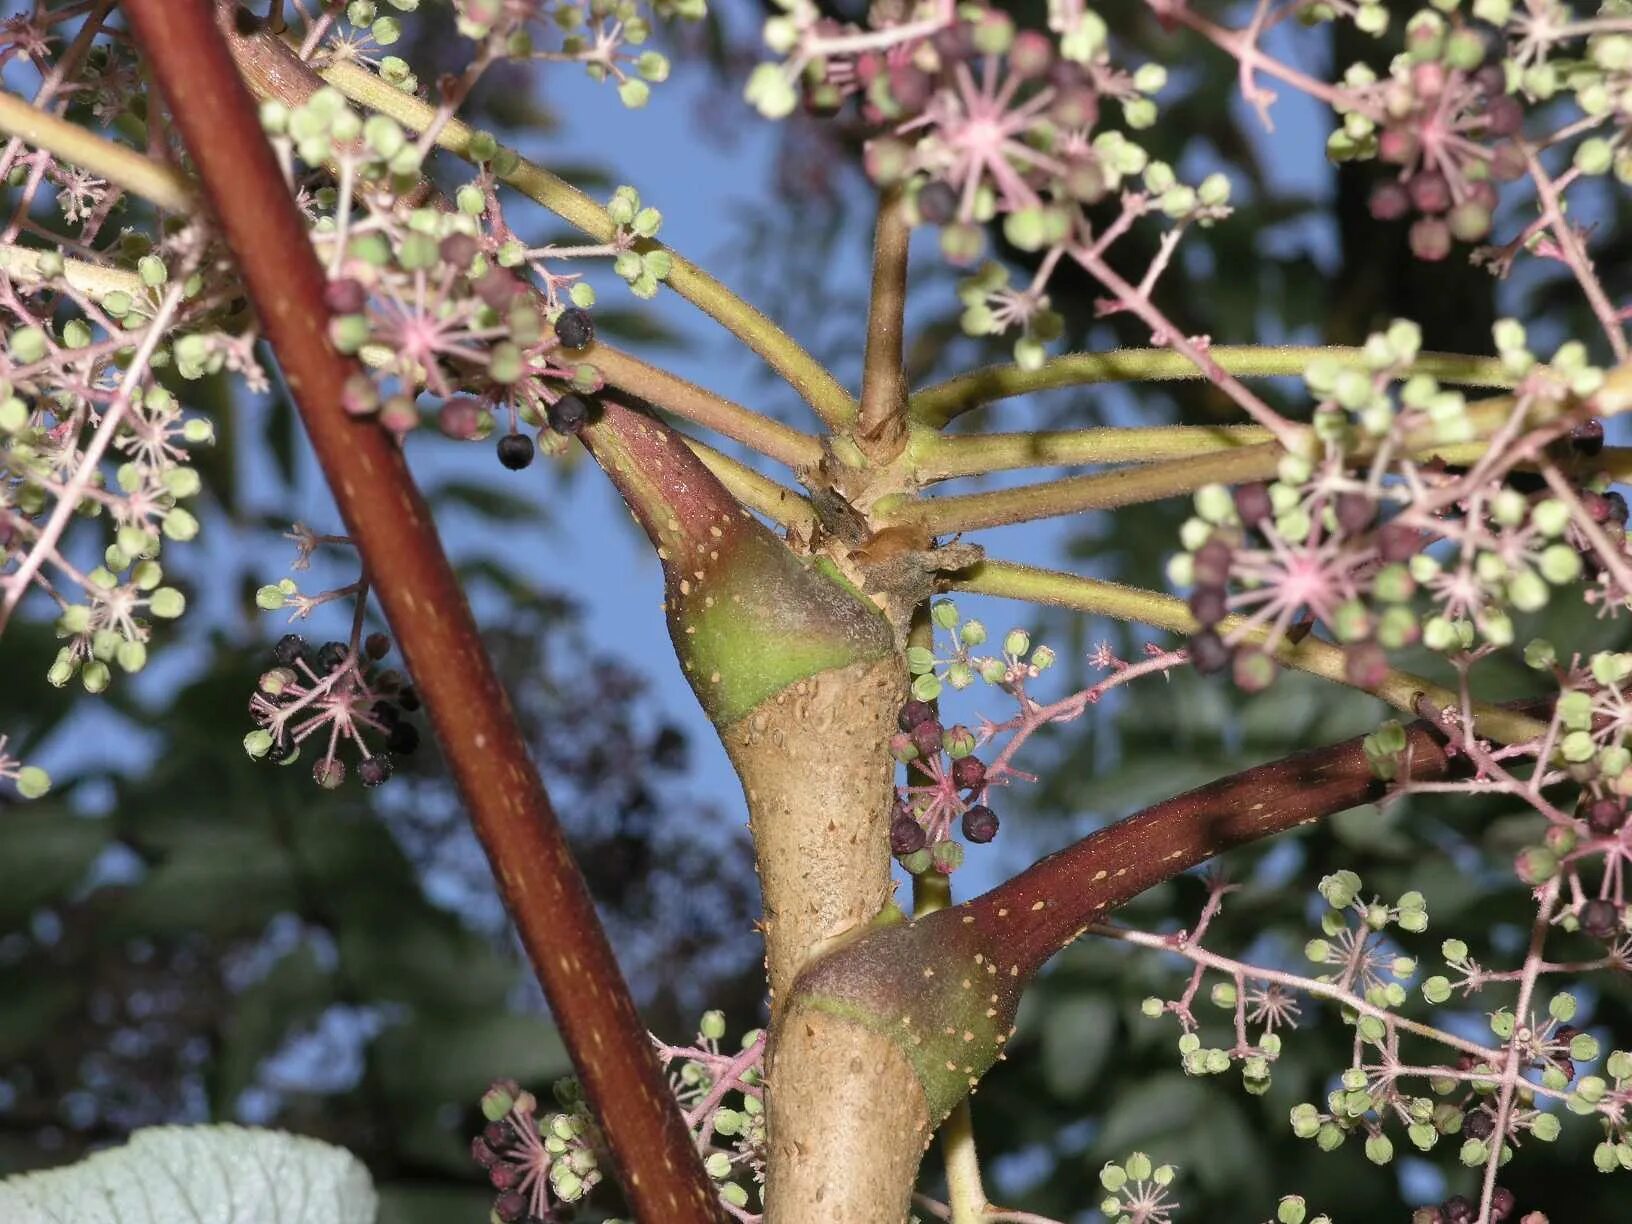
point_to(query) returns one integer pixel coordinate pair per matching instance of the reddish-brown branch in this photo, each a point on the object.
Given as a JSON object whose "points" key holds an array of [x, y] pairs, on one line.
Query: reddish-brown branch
{"points": [[389, 521], [944, 988]]}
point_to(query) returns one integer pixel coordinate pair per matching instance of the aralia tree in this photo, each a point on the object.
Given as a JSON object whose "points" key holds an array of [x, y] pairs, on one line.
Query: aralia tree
{"points": [[1403, 510]]}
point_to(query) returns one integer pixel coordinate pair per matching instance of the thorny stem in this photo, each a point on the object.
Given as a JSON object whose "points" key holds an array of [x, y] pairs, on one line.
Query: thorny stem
{"points": [[880, 428], [431, 620]]}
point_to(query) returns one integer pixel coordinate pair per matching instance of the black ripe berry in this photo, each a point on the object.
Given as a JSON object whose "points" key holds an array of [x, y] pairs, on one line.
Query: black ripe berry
{"points": [[1587, 438], [1605, 816], [403, 739], [1601, 919], [1478, 1124], [330, 656], [980, 824], [1457, 1210], [280, 751], [1502, 1203], [568, 414], [386, 713], [515, 451], [289, 648], [913, 713], [375, 770], [574, 328], [408, 697], [937, 203], [377, 645], [906, 836]]}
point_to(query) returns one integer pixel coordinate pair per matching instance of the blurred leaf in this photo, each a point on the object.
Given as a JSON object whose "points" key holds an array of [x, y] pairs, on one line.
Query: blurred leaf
{"points": [[293, 993], [44, 851], [488, 501], [224, 881], [1077, 1034], [198, 1175]]}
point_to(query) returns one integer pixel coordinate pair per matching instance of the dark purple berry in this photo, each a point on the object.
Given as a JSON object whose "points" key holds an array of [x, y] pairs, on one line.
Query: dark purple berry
{"points": [[280, 751], [503, 1176], [386, 713], [980, 824], [289, 648], [906, 836], [1397, 542], [1606, 816], [497, 287], [515, 451], [568, 414], [458, 251], [1502, 1203], [1252, 503], [1587, 438], [1601, 919], [403, 739], [377, 645], [937, 202], [968, 773], [345, 296], [375, 770], [407, 697], [926, 737], [1355, 511], [510, 1207], [1478, 1124], [482, 1154], [1207, 605], [913, 713], [1617, 508], [1209, 653], [1212, 563], [330, 656], [1457, 1210], [498, 1134], [575, 329]]}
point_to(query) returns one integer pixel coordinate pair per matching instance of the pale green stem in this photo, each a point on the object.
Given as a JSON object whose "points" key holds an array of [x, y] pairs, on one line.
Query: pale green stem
{"points": [[936, 405], [68, 142], [1402, 690], [1124, 486], [93, 280], [780, 351], [937, 456], [686, 399]]}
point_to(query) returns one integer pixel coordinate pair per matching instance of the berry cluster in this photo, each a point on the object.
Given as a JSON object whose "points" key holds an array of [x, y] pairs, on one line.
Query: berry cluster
{"points": [[441, 298], [541, 1165], [979, 121], [920, 832], [535, 1162], [334, 694], [1382, 545], [1460, 1209]]}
